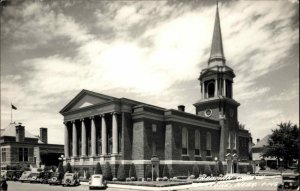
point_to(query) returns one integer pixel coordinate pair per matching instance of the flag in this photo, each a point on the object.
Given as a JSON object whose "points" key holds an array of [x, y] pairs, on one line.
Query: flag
{"points": [[13, 107]]}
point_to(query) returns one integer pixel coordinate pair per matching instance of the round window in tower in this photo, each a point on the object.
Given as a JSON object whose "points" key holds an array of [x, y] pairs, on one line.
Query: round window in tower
{"points": [[208, 112]]}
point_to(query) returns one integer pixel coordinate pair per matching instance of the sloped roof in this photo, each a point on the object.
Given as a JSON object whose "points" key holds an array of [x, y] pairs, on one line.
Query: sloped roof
{"points": [[262, 142], [10, 130]]}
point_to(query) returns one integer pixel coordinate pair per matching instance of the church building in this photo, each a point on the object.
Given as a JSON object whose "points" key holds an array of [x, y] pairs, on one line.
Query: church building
{"points": [[102, 128]]}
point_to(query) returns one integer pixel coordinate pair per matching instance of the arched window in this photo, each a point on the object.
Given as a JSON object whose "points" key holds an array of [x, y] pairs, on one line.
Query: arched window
{"points": [[197, 143], [211, 89], [208, 144], [184, 141]]}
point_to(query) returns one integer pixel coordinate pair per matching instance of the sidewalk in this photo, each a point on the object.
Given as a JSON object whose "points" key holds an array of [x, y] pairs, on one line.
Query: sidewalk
{"points": [[244, 177]]}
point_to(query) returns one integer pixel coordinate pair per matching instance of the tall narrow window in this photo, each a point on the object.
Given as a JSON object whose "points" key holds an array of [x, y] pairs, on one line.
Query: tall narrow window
{"points": [[20, 154], [154, 130], [3, 151], [211, 89], [184, 141], [197, 143], [228, 146], [208, 144], [26, 154]]}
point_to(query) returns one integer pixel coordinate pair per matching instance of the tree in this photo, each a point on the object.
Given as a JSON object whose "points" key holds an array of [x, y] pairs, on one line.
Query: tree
{"points": [[132, 172], [207, 170], [221, 168], [121, 173], [107, 175], [98, 169], [196, 170], [148, 172], [68, 168], [282, 143], [166, 171], [215, 170]]}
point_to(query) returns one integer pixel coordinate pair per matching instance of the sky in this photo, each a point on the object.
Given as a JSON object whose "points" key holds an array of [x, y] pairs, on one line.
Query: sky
{"points": [[149, 51]]}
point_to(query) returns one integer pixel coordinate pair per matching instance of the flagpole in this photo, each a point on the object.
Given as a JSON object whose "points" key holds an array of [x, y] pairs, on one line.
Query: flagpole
{"points": [[10, 113]]}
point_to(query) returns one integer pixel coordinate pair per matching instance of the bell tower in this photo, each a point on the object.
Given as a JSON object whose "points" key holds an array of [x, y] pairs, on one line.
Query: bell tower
{"points": [[216, 102]]}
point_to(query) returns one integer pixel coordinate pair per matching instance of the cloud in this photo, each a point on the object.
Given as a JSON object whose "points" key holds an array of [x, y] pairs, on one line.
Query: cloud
{"points": [[149, 51]]}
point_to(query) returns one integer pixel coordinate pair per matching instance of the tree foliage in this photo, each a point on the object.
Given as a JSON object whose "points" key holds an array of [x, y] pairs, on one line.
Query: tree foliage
{"points": [[132, 172], [98, 169], [166, 171], [282, 143], [221, 167], [121, 173], [196, 170], [207, 170], [69, 168], [107, 175]]}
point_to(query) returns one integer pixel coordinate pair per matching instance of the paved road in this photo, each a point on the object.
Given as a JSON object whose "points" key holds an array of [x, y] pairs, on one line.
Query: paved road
{"points": [[18, 186], [250, 185]]}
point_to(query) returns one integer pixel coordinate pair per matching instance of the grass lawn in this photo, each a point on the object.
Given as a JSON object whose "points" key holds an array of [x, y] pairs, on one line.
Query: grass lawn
{"points": [[150, 183]]}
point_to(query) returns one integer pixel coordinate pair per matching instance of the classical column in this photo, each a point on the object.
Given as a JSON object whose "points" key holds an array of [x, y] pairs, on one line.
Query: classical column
{"points": [[103, 135], [93, 136], [216, 87], [115, 133], [83, 138], [224, 87], [66, 141], [74, 137]]}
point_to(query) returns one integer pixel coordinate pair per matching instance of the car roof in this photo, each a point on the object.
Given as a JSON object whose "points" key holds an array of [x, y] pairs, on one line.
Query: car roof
{"points": [[97, 175]]}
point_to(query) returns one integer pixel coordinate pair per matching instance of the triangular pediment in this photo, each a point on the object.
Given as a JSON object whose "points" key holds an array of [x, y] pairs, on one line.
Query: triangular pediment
{"points": [[85, 99]]}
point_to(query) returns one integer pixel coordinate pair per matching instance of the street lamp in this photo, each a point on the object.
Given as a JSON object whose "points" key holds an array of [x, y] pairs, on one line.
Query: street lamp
{"points": [[216, 160]]}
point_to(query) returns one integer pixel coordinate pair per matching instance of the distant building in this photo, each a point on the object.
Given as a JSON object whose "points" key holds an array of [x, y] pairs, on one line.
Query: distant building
{"points": [[21, 148], [102, 128], [257, 152]]}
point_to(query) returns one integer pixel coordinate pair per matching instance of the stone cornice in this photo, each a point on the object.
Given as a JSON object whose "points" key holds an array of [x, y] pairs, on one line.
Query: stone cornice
{"points": [[219, 98]]}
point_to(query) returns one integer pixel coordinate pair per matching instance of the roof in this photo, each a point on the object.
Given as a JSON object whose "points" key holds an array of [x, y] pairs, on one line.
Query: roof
{"points": [[217, 52], [262, 142], [10, 131]]}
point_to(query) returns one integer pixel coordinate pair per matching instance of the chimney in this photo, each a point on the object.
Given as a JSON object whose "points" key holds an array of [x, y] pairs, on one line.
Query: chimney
{"points": [[44, 135], [181, 108], [257, 140], [20, 133]]}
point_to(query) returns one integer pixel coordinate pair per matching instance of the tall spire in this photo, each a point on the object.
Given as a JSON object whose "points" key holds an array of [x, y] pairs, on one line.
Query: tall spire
{"points": [[217, 54]]}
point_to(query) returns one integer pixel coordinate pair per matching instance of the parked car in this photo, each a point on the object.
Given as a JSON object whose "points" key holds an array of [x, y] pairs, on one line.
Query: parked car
{"points": [[3, 184], [17, 175], [70, 179], [25, 176], [56, 178], [289, 182], [46, 177], [97, 181], [36, 177]]}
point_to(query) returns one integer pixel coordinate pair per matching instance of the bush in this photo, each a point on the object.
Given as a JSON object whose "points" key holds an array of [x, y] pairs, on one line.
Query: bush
{"points": [[132, 178], [69, 168], [262, 165], [98, 169], [196, 171], [154, 175], [250, 168], [121, 173], [132, 172], [171, 173], [114, 179], [207, 170], [87, 175], [60, 168], [243, 169], [201, 169], [165, 178], [107, 175], [148, 171], [166, 171], [221, 167], [215, 170]]}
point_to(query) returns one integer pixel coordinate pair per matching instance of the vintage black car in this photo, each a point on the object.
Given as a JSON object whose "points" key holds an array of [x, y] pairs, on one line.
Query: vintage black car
{"points": [[56, 178], [289, 182], [46, 177], [36, 177]]}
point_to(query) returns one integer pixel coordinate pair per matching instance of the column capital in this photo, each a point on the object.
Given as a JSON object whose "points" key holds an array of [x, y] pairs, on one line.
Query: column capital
{"points": [[92, 117], [82, 119], [72, 121], [102, 115], [115, 113]]}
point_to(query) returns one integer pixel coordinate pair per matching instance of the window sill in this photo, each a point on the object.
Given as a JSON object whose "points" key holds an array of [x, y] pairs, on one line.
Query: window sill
{"points": [[185, 155]]}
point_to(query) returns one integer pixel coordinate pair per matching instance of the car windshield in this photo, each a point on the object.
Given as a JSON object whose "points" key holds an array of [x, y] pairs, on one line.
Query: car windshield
{"points": [[96, 176], [34, 174], [290, 178], [70, 175]]}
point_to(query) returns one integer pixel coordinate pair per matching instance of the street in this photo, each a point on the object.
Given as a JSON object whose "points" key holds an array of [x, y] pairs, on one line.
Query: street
{"points": [[268, 184]]}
